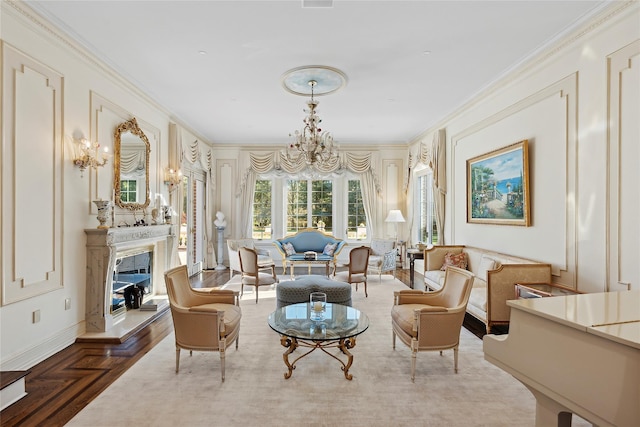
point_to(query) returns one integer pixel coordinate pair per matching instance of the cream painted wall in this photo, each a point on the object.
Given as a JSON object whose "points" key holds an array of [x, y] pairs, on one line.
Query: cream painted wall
{"points": [[560, 102], [94, 101]]}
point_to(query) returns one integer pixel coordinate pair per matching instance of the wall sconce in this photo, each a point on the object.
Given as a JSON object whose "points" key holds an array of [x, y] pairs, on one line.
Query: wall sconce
{"points": [[172, 178], [87, 155]]}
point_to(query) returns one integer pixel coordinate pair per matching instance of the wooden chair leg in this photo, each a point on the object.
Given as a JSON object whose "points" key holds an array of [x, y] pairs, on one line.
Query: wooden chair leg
{"points": [[414, 356], [455, 359], [222, 357], [177, 359]]}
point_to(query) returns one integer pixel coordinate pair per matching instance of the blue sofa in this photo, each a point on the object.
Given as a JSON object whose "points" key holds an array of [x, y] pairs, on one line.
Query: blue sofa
{"points": [[306, 240]]}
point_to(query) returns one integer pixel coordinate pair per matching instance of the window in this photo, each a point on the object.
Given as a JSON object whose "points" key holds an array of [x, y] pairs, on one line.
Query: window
{"points": [[309, 205], [356, 218], [427, 230], [262, 210], [128, 191]]}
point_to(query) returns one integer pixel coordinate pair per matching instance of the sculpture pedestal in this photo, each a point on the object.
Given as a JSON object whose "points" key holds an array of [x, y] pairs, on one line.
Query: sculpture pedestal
{"points": [[220, 265]]}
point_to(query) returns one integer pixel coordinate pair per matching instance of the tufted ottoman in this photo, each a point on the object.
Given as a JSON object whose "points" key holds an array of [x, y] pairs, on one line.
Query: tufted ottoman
{"points": [[299, 290]]}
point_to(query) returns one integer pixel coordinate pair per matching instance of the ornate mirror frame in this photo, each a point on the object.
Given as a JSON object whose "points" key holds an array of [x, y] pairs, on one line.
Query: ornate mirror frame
{"points": [[129, 126]]}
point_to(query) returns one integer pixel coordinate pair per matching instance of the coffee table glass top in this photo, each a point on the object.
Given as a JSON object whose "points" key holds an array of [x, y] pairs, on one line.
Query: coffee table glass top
{"points": [[339, 322]]}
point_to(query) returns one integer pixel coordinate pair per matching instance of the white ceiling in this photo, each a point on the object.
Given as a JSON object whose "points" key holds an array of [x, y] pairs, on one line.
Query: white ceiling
{"points": [[233, 93]]}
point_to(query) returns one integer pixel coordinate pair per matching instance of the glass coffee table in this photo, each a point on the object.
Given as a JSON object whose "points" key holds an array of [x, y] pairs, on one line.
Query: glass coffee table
{"points": [[338, 328]]}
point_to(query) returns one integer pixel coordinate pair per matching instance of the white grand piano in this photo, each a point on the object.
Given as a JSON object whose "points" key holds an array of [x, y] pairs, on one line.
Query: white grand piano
{"points": [[577, 354]]}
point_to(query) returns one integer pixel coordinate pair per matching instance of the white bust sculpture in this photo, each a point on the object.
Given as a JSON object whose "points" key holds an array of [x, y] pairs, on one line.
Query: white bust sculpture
{"points": [[220, 221]]}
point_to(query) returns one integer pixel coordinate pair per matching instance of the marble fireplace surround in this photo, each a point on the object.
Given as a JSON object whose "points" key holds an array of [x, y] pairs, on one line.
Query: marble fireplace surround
{"points": [[103, 248]]}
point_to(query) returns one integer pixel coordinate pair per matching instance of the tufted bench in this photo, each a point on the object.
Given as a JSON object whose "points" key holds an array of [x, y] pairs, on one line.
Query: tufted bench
{"points": [[299, 290]]}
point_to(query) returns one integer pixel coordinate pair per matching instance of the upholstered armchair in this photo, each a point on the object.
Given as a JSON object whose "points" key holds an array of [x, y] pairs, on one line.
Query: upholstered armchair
{"points": [[251, 274], [383, 256], [233, 246], [203, 321], [358, 265], [431, 321]]}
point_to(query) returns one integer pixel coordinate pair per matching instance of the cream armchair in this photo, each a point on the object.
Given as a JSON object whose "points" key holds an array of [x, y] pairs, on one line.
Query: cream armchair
{"points": [[203, 321], [233, 246], [383, 257], [431, 321]]}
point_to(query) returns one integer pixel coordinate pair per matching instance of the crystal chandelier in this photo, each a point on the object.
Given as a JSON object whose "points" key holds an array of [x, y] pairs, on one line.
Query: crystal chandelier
{"points": [[311, 143]]}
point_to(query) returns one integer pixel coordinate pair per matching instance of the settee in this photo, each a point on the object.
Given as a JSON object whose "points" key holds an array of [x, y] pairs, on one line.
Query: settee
{"points": [[293, 248], [495, 276]]}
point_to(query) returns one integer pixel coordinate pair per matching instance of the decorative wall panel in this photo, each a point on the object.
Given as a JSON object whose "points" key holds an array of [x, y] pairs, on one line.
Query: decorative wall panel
{"points": [[548, 119], [393, 198], [32, 150], [624, 156]]}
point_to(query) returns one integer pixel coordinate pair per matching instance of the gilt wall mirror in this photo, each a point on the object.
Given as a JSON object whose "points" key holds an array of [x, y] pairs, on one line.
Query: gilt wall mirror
{"points": [[131, 166]]}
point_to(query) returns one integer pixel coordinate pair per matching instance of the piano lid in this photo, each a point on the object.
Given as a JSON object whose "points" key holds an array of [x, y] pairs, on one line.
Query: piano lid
{"points": [[611, 315]]}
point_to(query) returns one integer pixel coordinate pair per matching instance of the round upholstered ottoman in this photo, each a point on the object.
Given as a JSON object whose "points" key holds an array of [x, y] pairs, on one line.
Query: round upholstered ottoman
{"points": [[299, 290]]}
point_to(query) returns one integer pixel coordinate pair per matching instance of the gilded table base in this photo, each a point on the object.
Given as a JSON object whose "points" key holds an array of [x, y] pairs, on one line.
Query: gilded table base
{"points": [[344, 344]]}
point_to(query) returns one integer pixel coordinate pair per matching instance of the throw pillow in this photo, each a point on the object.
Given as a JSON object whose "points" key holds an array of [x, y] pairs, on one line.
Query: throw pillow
{"points": [[486, 264], [329, 249], [288, 248], [455, 260]]}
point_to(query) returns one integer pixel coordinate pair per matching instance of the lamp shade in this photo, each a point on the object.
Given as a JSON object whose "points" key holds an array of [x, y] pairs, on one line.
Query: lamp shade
{"points": [[394, 216]]}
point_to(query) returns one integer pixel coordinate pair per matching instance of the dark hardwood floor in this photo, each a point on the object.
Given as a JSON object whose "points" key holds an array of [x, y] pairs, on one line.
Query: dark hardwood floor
{"points": [[62, 385]]}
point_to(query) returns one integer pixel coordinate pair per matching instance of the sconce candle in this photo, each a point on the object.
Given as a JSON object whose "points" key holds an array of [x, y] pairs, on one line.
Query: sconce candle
{"points": [[87, 155]]}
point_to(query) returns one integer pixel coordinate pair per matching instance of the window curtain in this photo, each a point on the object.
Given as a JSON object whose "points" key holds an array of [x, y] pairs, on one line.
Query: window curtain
{"points": [[438, 166], [434, 157], [278, 162], [133, 163], [200, 157]]}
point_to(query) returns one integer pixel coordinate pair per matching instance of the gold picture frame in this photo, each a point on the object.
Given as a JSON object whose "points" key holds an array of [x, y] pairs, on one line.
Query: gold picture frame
{"points": [[498, 186]]}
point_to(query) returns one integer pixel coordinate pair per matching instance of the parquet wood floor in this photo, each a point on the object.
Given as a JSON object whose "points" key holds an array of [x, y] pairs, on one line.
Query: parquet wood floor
{"points": [[62, 385]]}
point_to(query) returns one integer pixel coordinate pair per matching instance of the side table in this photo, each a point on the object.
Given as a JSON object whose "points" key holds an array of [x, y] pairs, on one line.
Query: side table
{"points": [[413, 254]]}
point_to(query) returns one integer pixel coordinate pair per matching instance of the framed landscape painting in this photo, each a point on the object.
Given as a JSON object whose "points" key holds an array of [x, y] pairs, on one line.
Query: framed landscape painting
{"points": [[498, 186]]}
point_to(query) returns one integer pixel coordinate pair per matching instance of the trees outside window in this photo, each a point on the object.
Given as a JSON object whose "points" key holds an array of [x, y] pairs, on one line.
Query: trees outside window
{"points": [[427, 229], [309, 205], [356, 218], [333, 206], [129, 191], [262, 198]]}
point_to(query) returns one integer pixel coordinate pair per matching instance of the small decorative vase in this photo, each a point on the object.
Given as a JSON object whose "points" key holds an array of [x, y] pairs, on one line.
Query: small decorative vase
{"points": [[103, 212], [166, 213]]}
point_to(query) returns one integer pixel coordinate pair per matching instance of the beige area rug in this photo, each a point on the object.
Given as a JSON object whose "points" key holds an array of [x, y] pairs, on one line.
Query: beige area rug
{"points": [[255, 392]]}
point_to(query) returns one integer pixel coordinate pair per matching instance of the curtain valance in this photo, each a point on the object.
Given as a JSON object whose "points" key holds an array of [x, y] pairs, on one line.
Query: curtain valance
{"points": [[198, 153], [260, 164]]}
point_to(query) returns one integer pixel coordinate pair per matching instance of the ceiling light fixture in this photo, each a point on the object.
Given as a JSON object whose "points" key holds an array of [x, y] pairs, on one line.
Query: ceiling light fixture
{"points": [[314, 145]]}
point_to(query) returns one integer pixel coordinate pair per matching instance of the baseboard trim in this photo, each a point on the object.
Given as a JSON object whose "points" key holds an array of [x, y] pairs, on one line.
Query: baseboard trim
{"points": [[30, 357]]}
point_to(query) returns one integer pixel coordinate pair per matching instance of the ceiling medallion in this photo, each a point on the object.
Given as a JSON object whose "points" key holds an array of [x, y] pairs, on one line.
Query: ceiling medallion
{"points": [[311, 143]]}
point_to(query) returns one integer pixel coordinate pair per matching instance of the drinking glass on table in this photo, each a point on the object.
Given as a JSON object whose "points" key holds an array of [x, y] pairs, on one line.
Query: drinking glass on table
{"points": [[318, 302]]}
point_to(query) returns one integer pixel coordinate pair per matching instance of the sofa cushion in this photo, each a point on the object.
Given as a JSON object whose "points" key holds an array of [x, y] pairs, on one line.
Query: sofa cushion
{"points": [[455, 260], [478, 297], [330, 248], [436, 277], [288, 248], [486, 264]]}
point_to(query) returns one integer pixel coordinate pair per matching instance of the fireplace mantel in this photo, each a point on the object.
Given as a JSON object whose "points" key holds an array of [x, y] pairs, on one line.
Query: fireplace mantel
{"points": [[103, 246]]}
